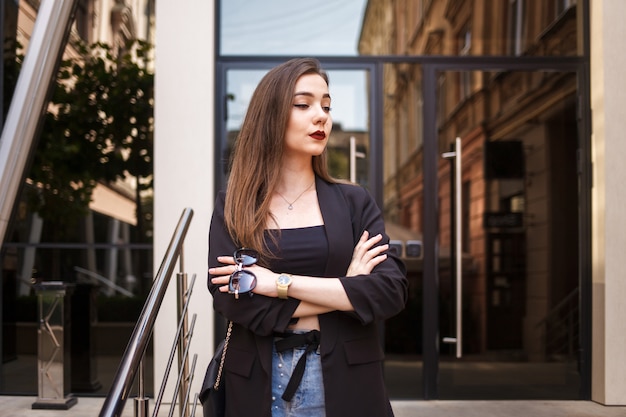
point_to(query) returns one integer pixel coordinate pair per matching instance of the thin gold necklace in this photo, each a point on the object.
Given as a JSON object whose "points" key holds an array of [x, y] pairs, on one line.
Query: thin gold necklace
{"points": [[290, 206]]}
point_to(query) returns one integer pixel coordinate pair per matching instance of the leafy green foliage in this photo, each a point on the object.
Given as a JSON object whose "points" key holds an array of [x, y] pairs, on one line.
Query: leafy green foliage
{"points": [[99, 128]]}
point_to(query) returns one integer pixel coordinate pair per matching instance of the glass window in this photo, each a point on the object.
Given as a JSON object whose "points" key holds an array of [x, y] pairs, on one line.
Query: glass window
{"points": [[285, 27], [348, 148], [402, 27]]}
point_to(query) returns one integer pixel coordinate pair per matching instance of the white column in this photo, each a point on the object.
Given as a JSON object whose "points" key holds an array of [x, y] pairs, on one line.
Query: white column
{"points": [[608, 101], [183, 166]]}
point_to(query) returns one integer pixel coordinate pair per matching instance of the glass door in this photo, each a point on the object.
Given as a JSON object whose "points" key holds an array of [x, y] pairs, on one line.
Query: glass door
{"points": [[480, 168], [508, 224]]}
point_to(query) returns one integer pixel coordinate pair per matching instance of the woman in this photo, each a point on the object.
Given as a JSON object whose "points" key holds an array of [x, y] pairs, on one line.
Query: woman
{"points": [[322, 277]]}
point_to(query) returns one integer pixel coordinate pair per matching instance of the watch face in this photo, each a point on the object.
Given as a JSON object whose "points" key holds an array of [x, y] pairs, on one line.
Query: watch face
{"points": [[283, 279]]}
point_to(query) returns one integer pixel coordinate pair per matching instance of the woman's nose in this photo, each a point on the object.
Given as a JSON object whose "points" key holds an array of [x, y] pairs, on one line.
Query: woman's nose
{"points": [[321, 116]]}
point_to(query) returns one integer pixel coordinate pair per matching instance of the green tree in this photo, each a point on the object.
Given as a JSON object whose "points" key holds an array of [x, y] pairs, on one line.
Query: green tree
{"points": [[99, 128]]}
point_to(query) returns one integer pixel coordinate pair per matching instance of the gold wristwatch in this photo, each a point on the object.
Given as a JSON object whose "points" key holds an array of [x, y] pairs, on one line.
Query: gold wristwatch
{"points": [[282, 285]]}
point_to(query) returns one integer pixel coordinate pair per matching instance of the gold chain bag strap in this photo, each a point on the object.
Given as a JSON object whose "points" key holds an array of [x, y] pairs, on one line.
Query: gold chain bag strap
{"points": [[213, 398], [216, 386]]}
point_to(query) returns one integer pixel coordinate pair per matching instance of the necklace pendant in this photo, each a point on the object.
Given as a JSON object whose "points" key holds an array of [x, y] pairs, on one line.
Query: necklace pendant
{"points": [[290, 205]]}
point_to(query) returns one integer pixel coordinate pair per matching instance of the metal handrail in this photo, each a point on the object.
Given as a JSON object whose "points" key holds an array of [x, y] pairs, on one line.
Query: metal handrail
{"points": [[136, 348]]}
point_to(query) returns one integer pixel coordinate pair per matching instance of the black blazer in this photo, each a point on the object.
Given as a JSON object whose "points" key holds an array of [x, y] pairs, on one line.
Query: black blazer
{"points": [[350, 347]]}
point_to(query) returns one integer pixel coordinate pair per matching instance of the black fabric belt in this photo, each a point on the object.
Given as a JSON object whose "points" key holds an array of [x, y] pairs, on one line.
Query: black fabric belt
{"points": [[293, 340]]}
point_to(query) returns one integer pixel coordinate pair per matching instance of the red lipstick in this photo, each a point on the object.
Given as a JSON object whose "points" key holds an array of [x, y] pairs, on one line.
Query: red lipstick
{"points": [[318, 135]]}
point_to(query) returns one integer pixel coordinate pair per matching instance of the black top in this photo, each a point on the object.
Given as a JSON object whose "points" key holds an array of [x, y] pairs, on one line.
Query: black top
{"points": [[300, 251]]}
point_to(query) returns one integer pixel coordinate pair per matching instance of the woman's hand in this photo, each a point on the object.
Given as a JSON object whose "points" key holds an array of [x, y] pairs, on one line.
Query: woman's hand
{"points": [[265, 279], [366, 255], [220, 275]]}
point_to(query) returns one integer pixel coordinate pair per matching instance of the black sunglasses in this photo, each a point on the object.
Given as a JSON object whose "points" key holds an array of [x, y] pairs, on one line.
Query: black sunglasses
{"points": [[242, 281]]}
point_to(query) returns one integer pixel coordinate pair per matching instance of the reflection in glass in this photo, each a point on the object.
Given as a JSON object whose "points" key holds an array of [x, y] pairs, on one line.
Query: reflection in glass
{"points": [[408, 27], [348, 145], [101, 322], [285, 27], [402, 207], [440, 27], [519, 223], [110, 276]]}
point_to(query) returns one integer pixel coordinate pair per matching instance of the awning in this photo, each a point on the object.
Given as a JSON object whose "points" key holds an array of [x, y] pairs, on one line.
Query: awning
{"points": [[109, 202]]}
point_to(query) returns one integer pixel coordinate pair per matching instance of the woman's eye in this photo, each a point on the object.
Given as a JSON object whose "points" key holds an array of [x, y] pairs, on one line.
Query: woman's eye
{"points": [[303, 106]]}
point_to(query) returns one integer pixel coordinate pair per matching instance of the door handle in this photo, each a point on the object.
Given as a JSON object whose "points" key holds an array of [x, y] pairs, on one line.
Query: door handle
{"points": [[354, 154], [458, 339]]}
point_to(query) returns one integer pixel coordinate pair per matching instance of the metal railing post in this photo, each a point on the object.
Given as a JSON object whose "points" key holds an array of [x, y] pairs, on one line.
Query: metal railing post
{"points": [[183, 361]]}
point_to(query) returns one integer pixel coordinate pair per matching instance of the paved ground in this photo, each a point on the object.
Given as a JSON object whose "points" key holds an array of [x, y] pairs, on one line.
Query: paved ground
{"points": [[403, 381], [505, 409], [88, 406]]}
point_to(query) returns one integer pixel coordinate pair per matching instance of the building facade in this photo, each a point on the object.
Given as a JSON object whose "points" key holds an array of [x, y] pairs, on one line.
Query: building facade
{"points": [[489, 133], [534, 224]]}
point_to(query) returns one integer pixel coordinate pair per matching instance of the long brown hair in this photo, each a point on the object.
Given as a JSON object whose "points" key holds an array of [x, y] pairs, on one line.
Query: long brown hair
{"points": [[256, 157]]}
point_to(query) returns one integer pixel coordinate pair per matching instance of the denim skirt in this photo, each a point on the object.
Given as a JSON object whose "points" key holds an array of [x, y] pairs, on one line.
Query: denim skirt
{"points": [[308, 400]]}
